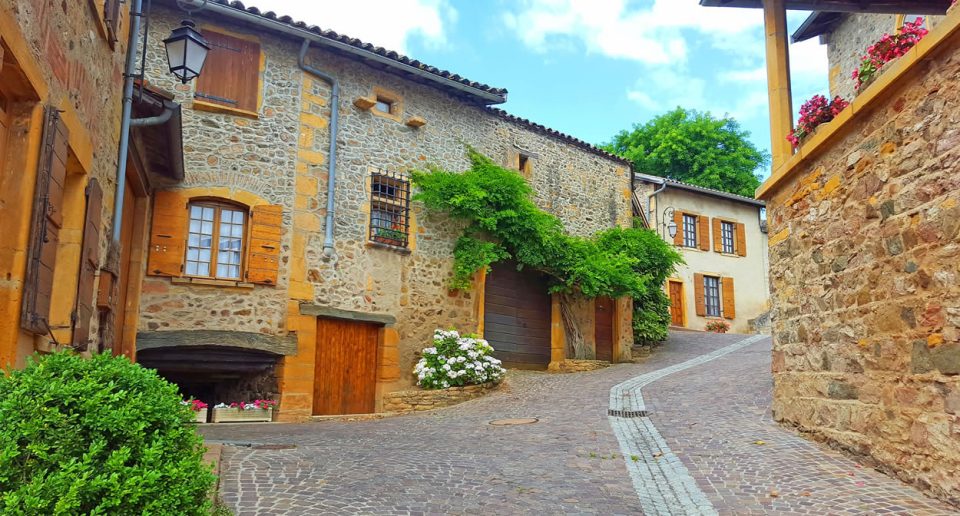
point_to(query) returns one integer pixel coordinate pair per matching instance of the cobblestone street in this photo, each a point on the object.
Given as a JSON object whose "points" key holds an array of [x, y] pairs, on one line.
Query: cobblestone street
{"points": [[712, 415]]}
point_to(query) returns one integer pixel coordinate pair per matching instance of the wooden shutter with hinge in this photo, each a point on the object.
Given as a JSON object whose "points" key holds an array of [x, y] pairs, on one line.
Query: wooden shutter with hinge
{"points": [[263, 258], [717, 235], [729, 303], [231, 72], [168, 235], [111, 18], [678, 220], [46, 221], [698, 295], [703, 232], [741, 239], [89, 263]]}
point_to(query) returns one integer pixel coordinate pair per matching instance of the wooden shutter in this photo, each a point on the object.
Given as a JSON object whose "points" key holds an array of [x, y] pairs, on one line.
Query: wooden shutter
{"points": [[111, 18], [263, 259], [678, 220], [46, 221], [703, 232], [698, 295], [717, 235], [89, 264], [729, 304], [741, 240], [168, 236], [231, 72]]}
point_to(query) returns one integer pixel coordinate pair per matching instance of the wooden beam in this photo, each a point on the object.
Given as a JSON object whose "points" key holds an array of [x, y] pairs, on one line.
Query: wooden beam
{"points": [[846, 6], [778, 79]]}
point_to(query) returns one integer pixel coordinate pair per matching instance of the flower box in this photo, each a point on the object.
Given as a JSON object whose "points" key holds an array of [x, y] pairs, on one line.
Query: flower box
{"points": [[201, 415], [238, 415]]}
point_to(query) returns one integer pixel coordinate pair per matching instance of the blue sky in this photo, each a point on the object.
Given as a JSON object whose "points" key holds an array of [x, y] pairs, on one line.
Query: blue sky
{"points": [[589, 68]]}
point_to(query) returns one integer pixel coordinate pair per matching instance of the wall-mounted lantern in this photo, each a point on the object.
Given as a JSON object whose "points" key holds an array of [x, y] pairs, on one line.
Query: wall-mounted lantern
{"points": [[670, 227], [186, 51]]}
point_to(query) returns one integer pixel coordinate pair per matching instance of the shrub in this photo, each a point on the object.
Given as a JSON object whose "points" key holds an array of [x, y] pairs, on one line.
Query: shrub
{"points": [[651, 317], [97, 436], [456, 360], [718, 326]]}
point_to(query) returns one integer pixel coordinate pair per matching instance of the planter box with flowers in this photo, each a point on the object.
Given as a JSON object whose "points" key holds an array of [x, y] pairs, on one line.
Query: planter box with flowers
{"points": [[249, 412], [199, 409], [456, 361], [393, 237], [814, 113], [886, 49], [718, 326]]}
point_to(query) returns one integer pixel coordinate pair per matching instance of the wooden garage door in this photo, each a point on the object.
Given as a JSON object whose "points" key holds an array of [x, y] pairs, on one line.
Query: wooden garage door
{"points": [[516, 318], [603, 317], [346, 367]]}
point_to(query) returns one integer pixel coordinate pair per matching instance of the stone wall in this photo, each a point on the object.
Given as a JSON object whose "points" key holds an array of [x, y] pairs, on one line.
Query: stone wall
{"points": [[57, 55], [848, 43], [864, 265], [420, 399], [282, 157]]}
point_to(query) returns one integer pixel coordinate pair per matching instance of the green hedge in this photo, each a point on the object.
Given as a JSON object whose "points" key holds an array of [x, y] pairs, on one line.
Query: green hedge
{"points": [[97, 436]]}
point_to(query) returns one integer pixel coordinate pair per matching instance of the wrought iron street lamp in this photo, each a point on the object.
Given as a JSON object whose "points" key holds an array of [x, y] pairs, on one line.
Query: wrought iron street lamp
{"points": [[671, 227], [186, 51]]}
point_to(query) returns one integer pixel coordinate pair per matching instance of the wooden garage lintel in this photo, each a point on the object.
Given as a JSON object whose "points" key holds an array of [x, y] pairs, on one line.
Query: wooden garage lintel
{"points": [[349, 315], [281, 345]]}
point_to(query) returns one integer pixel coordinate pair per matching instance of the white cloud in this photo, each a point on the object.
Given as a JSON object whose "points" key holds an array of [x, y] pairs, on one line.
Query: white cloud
{"points": [[391, 25]]}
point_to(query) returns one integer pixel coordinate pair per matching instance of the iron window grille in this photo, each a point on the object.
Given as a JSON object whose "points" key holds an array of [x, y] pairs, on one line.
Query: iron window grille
{"points": [[690, 231], [711, 294], [726, 232], [389, 208]]}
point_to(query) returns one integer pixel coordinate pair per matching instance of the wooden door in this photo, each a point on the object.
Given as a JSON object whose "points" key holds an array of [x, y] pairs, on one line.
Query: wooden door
{"points": [[676, 303], [126, 245], [605, 308], [516, 318], [346, 367]]}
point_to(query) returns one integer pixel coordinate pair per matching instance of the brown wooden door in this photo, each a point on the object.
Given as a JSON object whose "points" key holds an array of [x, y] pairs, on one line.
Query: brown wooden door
{"points": [[516, 318], [126, 245], [346, 367], [676, 303], [603, 324]]}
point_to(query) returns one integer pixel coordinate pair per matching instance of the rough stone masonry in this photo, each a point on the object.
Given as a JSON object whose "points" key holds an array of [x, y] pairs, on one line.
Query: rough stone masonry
{"points": [[864, 266]]}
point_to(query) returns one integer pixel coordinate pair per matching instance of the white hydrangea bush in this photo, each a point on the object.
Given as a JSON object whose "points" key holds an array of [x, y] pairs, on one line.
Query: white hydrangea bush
{"points": [[455, 360]]}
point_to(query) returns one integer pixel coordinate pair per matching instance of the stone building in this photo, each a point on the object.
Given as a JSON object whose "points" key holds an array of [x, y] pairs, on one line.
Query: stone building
{"points": [[257, 287], [60, 99], [723, 240], [865, 234]]}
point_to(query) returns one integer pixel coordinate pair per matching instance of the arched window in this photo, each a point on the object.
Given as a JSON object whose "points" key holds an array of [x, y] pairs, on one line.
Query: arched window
{"points": [[215, 240]]}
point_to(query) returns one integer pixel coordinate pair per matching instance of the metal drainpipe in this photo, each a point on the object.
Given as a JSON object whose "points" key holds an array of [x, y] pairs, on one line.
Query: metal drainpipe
{"points": [[328, 249], [136, 8], [650, 210]]}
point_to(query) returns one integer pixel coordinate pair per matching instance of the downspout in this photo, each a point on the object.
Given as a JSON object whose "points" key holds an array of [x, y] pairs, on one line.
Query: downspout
{"points": [[328, 249], [129, 73], [651, 201]]}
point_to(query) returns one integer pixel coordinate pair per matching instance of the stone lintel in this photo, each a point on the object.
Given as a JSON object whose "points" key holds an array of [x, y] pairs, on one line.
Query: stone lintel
{"points": [[350, 315], [281, 345]]}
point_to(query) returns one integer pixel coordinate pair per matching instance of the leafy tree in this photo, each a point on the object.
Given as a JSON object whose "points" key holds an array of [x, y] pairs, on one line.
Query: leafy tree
{"points": [[696, 148]]}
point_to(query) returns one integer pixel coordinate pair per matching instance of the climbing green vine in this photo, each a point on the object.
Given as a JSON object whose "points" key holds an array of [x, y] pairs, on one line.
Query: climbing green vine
{"points": [[503, 222]]}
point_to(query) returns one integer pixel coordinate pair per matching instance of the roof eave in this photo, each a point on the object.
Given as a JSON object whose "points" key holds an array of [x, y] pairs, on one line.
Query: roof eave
{"points": [[699, 189], [846, 6], [486, 97]]}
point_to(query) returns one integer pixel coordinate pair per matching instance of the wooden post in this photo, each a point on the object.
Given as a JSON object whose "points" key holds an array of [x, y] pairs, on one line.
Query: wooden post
{"points": [[778, 80]]}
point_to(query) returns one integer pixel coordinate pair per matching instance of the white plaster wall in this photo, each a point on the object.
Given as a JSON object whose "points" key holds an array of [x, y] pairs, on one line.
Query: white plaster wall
{"points": [[750, 273]]}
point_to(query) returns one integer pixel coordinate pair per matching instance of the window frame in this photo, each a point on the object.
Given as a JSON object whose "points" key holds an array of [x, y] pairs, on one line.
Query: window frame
{"points": [[218, 205], [395, 203], [392, 98], [690, 244], [715, 289], [726, 238]]}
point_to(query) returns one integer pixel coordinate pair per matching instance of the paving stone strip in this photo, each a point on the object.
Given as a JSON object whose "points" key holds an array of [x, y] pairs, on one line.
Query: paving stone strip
{"points": [[661, 480]]}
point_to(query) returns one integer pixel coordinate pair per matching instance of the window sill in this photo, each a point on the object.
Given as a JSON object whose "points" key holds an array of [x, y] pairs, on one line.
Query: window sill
{"points": [[208, 282], [388, 247], [200, 105]]}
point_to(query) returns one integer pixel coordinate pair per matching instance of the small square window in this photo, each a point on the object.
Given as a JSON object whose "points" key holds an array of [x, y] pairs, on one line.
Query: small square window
{"points": [[383, 105]]}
